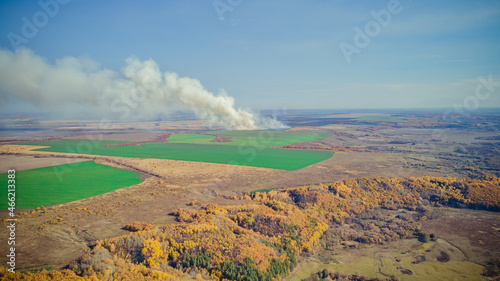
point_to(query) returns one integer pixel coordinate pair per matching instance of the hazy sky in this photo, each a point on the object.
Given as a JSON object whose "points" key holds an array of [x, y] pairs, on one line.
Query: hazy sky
{"points": [[285, 53]]}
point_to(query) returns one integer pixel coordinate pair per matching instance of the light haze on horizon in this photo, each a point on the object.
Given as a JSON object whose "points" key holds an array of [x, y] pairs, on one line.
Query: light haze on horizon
{"points": [[283, 54]]}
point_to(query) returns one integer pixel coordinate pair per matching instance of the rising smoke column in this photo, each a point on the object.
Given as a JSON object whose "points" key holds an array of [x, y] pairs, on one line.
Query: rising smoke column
{"points": [[142, 91]]}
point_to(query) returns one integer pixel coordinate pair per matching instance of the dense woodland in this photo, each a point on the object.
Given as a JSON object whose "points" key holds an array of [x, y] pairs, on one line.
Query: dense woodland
{"points": [[263, 235]]}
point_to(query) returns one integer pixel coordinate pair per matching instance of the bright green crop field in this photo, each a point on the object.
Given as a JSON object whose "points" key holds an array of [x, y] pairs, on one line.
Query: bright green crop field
{"points": [[191, 138], [65, 183], [274, 158], [249, 138]]}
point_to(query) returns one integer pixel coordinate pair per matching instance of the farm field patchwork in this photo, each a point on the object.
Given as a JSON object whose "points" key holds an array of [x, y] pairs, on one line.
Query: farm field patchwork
{"points": [[274, 158], [65, 183], [265, 138], [466, 236]]}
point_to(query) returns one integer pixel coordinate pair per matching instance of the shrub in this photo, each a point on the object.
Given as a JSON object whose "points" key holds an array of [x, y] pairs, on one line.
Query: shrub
{"points": [[99, 261], [138, 226], [423, 237]]}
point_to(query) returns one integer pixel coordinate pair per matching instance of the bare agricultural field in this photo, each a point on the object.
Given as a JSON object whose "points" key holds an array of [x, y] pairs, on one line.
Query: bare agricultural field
{"points": [[22, 163], [160, 125], [132, 137], [21, 150]]}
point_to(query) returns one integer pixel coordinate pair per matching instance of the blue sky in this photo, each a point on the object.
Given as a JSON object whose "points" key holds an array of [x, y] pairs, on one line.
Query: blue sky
{"points": [[285, 54]]}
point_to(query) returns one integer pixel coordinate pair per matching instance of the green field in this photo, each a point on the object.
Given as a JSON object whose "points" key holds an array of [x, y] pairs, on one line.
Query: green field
{"points": [[65, 183], [191, 138], [249, 138], [274, 158]]}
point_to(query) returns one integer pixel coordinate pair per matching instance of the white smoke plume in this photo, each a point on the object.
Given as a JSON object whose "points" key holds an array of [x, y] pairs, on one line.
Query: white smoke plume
{"points": [[141, 91]]}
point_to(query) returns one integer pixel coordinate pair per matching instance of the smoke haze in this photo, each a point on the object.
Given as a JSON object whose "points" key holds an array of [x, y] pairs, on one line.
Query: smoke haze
{"points": [[141, 91]]}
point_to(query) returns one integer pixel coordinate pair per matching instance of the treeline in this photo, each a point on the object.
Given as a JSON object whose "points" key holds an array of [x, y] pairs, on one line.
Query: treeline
{"points": [[263, 239], [343, 199]]}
